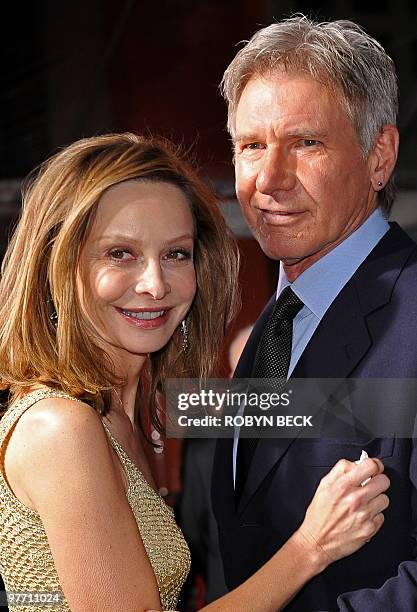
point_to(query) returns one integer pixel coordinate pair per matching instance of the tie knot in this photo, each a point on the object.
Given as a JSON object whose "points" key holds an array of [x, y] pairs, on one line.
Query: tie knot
{"points": [[287, 306]]}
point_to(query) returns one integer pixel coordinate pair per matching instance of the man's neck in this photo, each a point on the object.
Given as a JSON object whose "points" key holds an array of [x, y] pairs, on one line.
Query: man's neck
{"points": [[294, 268]]}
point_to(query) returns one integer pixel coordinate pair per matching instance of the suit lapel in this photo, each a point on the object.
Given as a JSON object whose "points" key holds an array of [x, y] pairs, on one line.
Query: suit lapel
{"points": [[341, 340], [222, 490], [342, 327], [222, 478], [245, 363]]}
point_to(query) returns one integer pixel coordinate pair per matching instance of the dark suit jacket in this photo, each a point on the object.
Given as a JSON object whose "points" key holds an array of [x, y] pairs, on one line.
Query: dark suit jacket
{"points": [[370, 330]]}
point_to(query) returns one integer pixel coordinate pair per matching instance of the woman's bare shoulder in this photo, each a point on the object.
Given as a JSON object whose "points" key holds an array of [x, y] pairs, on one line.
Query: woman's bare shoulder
{"points": [[69, 478], [56, 432], [57, 416]]}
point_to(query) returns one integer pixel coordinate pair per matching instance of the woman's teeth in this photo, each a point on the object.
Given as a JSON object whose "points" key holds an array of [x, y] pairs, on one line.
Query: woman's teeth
{"points": [[144, 314]]}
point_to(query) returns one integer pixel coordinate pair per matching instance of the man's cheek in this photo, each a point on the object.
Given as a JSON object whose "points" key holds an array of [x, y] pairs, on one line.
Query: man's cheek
{"points": [[246, 173]]}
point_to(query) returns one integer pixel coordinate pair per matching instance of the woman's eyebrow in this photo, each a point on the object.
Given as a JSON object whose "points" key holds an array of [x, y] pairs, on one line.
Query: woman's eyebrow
{"points": [[133, 238]]}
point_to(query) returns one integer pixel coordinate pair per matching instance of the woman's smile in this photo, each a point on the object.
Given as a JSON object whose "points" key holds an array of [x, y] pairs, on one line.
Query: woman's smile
{"points": [[145, 319]]}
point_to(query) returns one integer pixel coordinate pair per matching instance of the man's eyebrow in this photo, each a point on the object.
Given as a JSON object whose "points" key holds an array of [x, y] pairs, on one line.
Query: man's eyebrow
{"points": [[245, 137], [306, 132]]}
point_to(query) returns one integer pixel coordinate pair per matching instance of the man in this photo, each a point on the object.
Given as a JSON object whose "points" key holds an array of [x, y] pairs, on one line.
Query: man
{"points": [[312, 113]]}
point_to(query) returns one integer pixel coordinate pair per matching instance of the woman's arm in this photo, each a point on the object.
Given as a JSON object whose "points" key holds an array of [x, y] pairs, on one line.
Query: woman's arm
{"points": [[341, 518], [67, 470]]}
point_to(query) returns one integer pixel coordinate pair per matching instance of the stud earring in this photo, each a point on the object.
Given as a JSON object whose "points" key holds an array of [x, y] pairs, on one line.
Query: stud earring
{"points": [[184, 332], [379, 183]]}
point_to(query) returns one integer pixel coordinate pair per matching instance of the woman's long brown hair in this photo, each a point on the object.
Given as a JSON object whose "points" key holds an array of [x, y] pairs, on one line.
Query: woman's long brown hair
{"points": [[40, 269]]}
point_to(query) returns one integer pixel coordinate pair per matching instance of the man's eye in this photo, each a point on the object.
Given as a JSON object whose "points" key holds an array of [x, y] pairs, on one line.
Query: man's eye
{"points": [[253, 146], [121, 254], [310, 142]]}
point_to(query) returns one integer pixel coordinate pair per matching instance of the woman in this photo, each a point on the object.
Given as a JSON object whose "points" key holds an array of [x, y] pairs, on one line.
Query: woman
{"points": [[119, 274]]}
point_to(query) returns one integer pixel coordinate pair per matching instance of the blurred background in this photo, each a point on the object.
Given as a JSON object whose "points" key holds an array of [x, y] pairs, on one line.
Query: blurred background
{"points": [[72, 69]]}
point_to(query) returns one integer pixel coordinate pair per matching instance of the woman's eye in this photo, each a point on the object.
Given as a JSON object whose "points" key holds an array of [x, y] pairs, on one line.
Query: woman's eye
{"points": [[121, 254], [178, 255]]}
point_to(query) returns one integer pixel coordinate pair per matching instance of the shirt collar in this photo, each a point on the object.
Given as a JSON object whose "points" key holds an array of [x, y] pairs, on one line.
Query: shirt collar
{"points": [[319, 285]]}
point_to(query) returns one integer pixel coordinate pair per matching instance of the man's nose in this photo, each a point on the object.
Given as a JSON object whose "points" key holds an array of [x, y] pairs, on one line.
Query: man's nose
{"points": [[152, 280], [276, 172]]}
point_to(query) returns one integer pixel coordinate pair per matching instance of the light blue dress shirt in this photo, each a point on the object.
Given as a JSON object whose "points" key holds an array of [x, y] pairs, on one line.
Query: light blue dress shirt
{"points": [[319, 285]]}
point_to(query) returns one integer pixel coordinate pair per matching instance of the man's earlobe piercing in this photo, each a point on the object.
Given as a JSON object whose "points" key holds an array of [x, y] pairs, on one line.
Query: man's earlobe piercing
{"points": [[379, 183]]}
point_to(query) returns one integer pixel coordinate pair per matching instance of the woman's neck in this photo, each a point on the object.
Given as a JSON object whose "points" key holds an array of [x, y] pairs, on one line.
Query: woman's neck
{"points": [[124, 397], [124, 401]]}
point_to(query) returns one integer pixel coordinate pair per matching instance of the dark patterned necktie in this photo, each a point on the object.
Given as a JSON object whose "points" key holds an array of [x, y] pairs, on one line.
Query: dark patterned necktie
{"points": [[272, 360]]}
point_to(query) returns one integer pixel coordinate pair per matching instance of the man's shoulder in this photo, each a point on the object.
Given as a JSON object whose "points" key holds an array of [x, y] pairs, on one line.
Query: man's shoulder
{"points": [[391, 265], [399, 254], [397, 241]]}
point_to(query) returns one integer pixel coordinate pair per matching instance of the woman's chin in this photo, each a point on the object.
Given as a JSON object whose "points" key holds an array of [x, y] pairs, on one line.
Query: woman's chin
{"points": [[145, 348]]}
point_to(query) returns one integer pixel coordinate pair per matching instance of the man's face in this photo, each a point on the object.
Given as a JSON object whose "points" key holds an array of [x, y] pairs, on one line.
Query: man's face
{"points": [[301, 178]]}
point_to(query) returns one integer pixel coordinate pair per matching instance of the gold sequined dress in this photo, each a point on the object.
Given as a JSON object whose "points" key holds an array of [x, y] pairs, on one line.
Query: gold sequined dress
{"points": [[26, 562]]}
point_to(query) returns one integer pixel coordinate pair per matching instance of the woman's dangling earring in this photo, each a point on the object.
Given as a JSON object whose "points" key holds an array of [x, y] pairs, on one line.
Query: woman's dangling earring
{"points": [[184, 332], [53, 317]]}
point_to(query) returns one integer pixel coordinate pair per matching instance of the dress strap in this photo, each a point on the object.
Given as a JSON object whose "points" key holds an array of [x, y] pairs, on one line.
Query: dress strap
{"points": [[127, 462], [13, 414], [133, 473]]}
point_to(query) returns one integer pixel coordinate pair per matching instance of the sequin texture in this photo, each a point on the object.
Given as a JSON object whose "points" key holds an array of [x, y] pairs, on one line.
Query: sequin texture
{"points": [[26, 562]]}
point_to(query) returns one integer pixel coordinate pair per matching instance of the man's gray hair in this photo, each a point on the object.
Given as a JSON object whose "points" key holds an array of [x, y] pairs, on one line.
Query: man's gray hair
{"points": [[339, 54]]}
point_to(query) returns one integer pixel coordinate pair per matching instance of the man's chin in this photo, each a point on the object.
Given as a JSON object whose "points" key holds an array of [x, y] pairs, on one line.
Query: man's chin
{"points": [[281, 252], [281, 246]]}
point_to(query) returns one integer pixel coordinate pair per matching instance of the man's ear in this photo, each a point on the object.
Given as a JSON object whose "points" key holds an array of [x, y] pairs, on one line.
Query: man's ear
{"points": [[383, 156]]}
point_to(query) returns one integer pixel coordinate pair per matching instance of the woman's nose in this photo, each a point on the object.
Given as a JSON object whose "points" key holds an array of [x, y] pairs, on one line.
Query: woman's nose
{"points": [[152, 281]]}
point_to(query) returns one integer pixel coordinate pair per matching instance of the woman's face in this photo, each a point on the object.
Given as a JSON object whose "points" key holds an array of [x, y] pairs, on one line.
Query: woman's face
{"points": [[137, 277]]}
